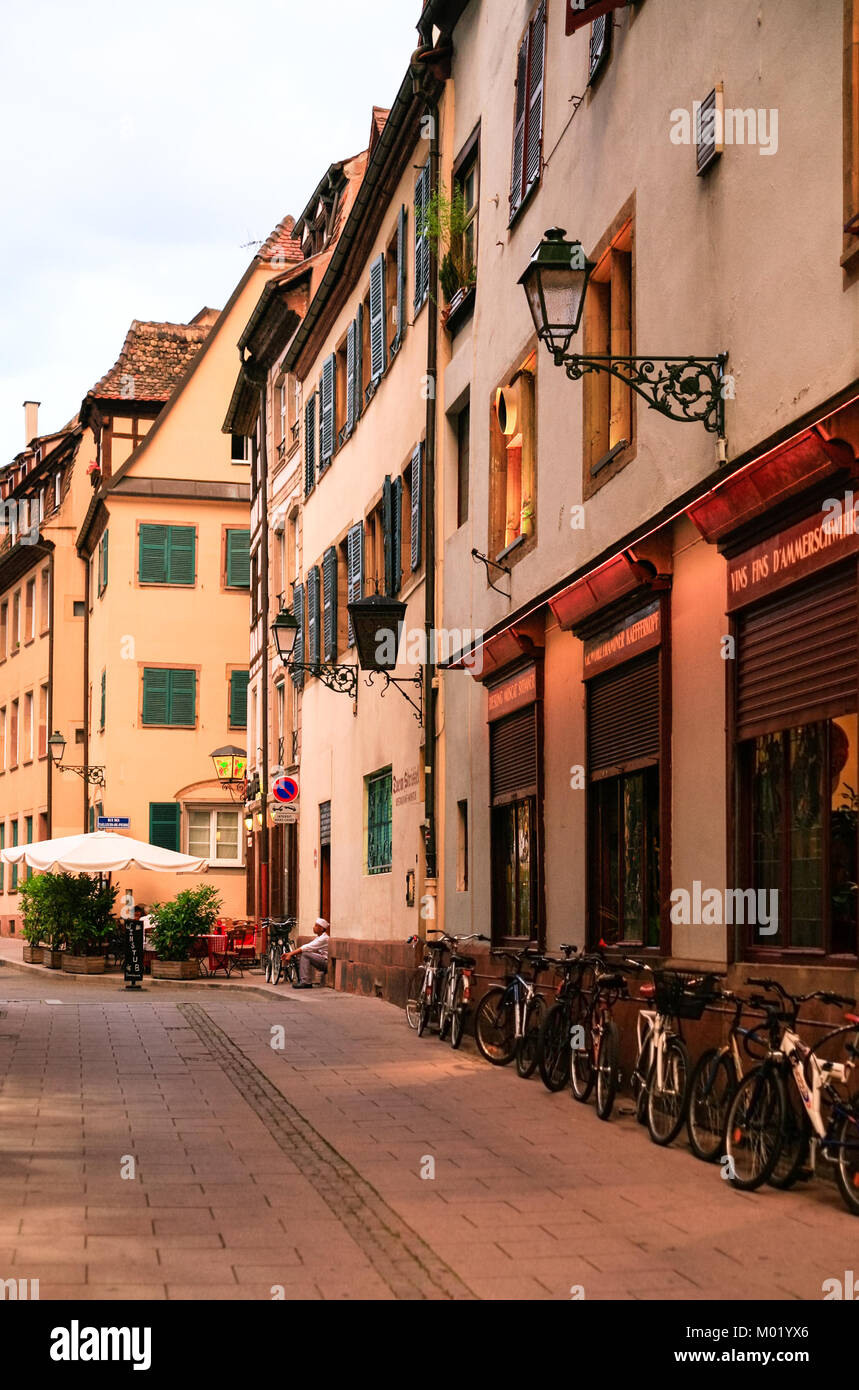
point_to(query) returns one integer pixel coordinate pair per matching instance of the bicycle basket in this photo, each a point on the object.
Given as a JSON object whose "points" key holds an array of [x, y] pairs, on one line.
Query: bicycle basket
{"points": [[683, 993]]}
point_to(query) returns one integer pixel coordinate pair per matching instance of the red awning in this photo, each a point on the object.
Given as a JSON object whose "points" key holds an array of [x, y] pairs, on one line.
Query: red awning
{"points": [[618, 576], [583, 12]]}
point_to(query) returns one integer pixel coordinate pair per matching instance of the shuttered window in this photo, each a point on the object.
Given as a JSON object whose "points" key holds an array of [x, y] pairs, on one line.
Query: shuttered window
{"points": [[528, 117], [164, 819], [797, 655], [239, 699], [708, 133], [600, 45], [238, 559], [377, 318], [379, 824], [388, 534], [416, 504], [402, 278], [355, 576], [359, 362], [167, 555], [298, 649], [169, 697], [329, 604], [310, 445], [102, 564], [513, 755], [397, 536], [422, 253], [313, 617], [103, 699], [327, 411], [623, 717], [353, 388]]}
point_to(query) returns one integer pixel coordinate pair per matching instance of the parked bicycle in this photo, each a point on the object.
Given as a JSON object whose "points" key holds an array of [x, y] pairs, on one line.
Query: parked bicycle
{"points": [[455, 991], [660, 1077], [714, 1081], [508, 1018], [571, 1002], [768, 1135], [279, 932], [595, 1050], [427, 984]]}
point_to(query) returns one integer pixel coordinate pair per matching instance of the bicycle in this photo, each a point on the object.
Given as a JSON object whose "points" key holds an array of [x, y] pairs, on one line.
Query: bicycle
{"points": [[425, 988], [556, 1031], [508, 1018], [279, 942], [768, 1135], [594, 1054], [455, 994], [660, 1078], [714, 1081]]}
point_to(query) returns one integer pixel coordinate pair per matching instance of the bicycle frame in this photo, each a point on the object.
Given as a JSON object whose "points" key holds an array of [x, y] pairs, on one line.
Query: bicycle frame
{"points": [[798, 1054]]}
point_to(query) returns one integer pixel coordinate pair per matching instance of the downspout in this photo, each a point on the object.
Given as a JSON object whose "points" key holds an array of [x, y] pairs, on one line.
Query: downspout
{"points": [[87, 568], [49, 712], [429, 484], [263, 492]]}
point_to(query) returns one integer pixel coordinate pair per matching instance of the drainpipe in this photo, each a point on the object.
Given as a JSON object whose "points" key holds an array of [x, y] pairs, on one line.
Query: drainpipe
{"points": [[49, 712], [263, 492], [430, 490], [86, 565]]}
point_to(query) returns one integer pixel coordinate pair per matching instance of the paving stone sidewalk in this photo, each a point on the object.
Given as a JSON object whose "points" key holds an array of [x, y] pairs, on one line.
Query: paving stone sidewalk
{"points": [[355, 1161]]}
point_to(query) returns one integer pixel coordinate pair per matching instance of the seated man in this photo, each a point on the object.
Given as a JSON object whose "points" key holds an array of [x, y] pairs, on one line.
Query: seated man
{"points": [[313, 956]]}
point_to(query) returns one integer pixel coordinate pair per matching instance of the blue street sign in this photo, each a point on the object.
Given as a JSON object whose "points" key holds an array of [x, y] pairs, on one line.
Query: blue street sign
{"points": [[113, 822]]}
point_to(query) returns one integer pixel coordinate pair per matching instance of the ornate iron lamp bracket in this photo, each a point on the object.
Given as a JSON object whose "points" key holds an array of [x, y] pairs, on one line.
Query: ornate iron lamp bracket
{"points": [[94, 776], [687, 389], [400, 682], [343, 680]]}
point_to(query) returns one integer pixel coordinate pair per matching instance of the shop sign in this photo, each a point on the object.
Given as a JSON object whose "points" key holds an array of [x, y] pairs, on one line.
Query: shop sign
{"points": [[284, 815], [638, 633], [820, 540], [512, 694]]}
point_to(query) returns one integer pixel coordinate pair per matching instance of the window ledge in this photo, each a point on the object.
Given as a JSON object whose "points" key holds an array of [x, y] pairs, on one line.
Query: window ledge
{"points": [[524, 203], [510, 549], [460, 310]]}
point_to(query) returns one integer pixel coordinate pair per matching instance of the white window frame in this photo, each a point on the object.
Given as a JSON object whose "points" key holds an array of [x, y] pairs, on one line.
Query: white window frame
{"points": [[213, 810], [58, 487]]}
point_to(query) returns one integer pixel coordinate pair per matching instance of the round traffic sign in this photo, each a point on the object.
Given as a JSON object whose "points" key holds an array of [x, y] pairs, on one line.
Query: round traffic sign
{"points": [[285, 790]]}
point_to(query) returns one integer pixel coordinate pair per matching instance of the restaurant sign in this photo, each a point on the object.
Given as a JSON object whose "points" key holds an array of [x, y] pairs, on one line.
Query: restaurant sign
{"points": [[133, 954], [637, 633], [820, 540], [512, 694]]}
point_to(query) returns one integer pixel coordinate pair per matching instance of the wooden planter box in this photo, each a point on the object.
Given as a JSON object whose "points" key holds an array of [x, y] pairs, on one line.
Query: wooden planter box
{"points": [[82, 965], [175, 970], [33, 954], [52, 959]]}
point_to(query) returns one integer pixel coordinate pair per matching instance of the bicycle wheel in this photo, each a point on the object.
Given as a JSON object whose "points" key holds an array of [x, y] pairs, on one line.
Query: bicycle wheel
{"points": [[266, 963], [847, 1168], [666, 1104], [445, 1003], [292, 971], [607, 1073], [426, 1003], [553, 1048], [276, 964], [582, 1073], [753, 1129], [793, 1154], [638, 1080], [711, 1089], [495, 1027], [457, 1013], [527, 1055], [413, 998]]}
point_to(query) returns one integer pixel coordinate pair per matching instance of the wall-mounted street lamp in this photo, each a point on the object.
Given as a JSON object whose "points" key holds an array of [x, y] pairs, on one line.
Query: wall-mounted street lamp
{"points": [[57, 747], [231, 765], [682, 388], [342, 679], [377, 623]]}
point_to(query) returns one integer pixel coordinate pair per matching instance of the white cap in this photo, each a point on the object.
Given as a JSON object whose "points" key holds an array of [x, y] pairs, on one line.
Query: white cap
{"points": [[321, 922]]}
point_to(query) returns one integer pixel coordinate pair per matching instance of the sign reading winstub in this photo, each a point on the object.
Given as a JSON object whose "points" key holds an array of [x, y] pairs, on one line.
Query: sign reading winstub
{"points": [[638, 633]]}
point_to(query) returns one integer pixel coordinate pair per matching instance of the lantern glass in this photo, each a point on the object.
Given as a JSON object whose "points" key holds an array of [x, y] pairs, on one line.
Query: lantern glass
{"points": [[377, 623], [284, 630], [57, 745], [230, 764], [555, 283]]}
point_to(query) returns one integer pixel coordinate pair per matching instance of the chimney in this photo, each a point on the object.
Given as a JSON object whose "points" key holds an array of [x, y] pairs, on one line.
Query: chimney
{"points": [[31, 420]]}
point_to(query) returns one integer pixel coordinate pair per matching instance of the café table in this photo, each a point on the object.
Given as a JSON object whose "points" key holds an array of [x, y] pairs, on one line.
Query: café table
{"points": [[216, 952]]}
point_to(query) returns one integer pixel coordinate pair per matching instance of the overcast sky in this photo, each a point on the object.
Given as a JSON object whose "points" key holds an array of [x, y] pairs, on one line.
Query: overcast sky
{"points": [[144, 145]]}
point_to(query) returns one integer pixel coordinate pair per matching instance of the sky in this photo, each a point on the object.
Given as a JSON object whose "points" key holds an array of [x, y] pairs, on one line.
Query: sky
{"points": [[145, 146]]}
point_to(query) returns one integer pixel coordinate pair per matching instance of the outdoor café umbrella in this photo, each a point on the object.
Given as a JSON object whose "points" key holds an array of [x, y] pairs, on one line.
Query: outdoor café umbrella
{"points": [[102, 851]]}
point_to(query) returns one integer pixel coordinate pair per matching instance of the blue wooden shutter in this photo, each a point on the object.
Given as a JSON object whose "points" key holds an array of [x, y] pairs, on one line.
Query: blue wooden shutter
{"points": [[327, 411], [183, 698], [313, 616], [417, 487], [329, 584], [377, 318], [351, 357], [181, 554], [298, 649], [156, 695], [402, 274], [397, 535], [355, 568], [238, 559], [359, 362], [164, 824], [152, 560], [239, 699], [310, 445], [388, 535]]}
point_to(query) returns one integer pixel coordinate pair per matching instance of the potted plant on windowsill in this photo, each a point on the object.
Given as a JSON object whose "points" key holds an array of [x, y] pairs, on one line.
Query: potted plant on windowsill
{"points": [[175, 927], [88, 931]]}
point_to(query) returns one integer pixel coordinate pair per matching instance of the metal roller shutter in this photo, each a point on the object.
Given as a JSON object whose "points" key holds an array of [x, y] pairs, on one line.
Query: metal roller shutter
{"points": [[797, 655], [513, 754], [623, 716]]}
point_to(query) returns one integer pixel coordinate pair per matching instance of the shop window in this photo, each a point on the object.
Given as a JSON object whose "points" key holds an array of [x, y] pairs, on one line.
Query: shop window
{"points": [[608, 329], [514, 763], [378, 822], [513, 464], [624, 814], [514, 854]]}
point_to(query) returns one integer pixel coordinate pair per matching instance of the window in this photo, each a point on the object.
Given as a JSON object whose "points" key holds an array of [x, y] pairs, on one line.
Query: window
{"points": [[463, 453], [342, 387], [850, 88], [167, 554], [378, 351], [30, 620], [3, 739], [296, 672], [378, 827], [214, 835], [423, 196], [355, 568], [28, 840], [43, 721], [27, 734], [240, 449], [13, 888], [239, 699], [102, 565], [281, 417], [78, 608], [466, 187], [13, 736], [16, 621], [366, 364], [462, 847], [45, 599], [330, 604], [528, 119], [238, 559], [91, 580], [327, 412], [169, 697], [709, 127], [514, 854], [2, 864], [353, 389], [600, 46], [164, 819], [609, 328], [310, 445], [103, 708], [513, 463], [313, 617], [4, 629], [383, 547], [396, 288], [280, 723]]}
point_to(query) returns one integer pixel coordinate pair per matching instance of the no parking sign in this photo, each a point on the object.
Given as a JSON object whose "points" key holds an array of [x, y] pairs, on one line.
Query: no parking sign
{"points": [[285, 790]]}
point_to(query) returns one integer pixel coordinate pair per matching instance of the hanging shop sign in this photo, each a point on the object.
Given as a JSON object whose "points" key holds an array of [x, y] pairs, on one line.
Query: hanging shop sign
{"points": [[514, 693], [820, 540], [635, 634]]}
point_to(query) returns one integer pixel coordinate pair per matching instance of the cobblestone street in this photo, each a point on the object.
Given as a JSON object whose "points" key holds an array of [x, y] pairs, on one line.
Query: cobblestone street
{"points": [[259, 1169]]}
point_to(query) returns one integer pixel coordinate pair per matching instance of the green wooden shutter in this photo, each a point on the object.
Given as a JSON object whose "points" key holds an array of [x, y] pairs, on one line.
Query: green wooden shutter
{"points": [[377, 318], [238, 559], [298, 649], [164, 819], [520, 113], [397, 535], [183, 698], [152, 561], [402, 275], [329, 608], [103, 696], [327, 411], [355, 568], [421, 240], [239, 699], [359, 362], [417, 488], [388, 535], [156, 687], [181, 554], [310, 445], [313, 616], [91, 819], [102, 564], [14, 866], [350, 377]]}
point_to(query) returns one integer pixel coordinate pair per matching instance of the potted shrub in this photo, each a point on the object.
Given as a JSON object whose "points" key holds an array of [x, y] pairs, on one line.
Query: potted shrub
{"points": [[88, 925], [34, 928], [175, 926]]}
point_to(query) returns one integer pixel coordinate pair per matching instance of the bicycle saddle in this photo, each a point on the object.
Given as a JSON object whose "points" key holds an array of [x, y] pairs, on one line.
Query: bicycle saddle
{"points": [[612, 981]]}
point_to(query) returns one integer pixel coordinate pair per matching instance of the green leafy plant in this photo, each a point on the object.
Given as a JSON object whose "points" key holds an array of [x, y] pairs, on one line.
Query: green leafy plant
{"points": [[91, 925], [72, 910], [33, 897], [445, 224], [176, 923]]}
